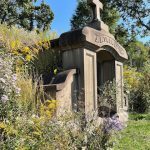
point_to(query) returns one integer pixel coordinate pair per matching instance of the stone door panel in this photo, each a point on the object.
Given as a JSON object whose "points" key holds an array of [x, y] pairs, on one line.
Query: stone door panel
{"points": [[90, 81]]}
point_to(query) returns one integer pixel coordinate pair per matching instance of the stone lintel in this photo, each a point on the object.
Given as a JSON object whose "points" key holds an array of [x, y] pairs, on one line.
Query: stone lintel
{"points": [[88, 37]]}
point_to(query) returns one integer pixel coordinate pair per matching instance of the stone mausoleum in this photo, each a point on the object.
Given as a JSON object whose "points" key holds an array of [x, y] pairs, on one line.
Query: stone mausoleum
{"points": [[91, 56]]}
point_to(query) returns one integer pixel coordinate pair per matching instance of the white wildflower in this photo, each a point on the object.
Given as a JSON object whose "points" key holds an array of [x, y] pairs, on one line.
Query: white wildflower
{"points": [[2, 80], [4, 98]]}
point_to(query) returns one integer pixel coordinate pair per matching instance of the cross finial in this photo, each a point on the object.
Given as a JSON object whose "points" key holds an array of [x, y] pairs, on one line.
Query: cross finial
{"points": [[96, 6]]}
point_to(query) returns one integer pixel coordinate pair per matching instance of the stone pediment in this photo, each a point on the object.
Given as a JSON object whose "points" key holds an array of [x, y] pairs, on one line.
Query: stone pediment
{"points": [[88, 37]]}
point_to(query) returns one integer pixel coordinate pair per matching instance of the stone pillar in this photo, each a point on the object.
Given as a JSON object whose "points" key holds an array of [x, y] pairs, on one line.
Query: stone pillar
{"points": [[90, 81], [84, 61]]}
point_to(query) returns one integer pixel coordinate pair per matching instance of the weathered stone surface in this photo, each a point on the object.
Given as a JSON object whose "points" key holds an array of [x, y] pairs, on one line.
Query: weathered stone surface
{"points": [[88, 37], [61, 79], [90, 84], [96, 5], [99, 25], [63, 89]]}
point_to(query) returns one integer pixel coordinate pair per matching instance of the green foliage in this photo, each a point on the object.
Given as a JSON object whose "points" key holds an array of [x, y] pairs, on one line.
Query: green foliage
{"points": [[122, 35], [46, 63], [145, 87], [135, 14], [110, 16], [32, 50], [138, 83], [26, 14], [136, 116], [107, 99], [138, 54], [82, 15], [132, 78]]}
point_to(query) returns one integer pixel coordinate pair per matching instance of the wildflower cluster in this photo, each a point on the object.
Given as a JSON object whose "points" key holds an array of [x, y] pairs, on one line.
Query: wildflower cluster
{"points": [[8, 86], [22, 43], [113, 123], [48, 108]]}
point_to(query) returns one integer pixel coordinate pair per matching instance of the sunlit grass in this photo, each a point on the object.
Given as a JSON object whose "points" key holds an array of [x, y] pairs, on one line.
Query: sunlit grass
{"points": [[135, 137]]}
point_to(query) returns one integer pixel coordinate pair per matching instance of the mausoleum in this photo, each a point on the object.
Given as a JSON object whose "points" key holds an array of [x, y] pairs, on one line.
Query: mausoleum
{"points": [[91, 56]]}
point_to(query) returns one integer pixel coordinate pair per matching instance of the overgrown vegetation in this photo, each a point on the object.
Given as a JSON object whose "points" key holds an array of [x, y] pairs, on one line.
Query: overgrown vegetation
{"points": [[26, 118]]}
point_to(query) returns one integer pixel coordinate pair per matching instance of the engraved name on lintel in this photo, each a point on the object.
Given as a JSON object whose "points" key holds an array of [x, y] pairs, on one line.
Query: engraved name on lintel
{"points": [[106, 39]]}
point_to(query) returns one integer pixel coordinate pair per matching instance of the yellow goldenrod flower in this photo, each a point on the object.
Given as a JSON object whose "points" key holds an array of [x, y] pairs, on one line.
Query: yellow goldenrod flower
{"points": [[45, 45], [40, 43], [28, 58], [13, 45], [26, 49], [52, 106], [2, 125]]}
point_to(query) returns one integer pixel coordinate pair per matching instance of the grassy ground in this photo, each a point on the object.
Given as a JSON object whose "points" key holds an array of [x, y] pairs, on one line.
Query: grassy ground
{"points": [[136, 136]]}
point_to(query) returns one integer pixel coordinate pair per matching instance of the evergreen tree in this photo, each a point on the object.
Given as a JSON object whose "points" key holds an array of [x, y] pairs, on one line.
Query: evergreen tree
{"points": [[26, 14], [134, 15], [82, 15]]}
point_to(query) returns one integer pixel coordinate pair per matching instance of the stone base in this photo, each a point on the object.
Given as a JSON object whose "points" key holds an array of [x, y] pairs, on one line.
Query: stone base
{"points": [[123, 116], [99, 25]]}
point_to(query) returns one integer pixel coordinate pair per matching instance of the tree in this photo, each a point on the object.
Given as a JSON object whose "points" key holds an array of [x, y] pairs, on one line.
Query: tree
{"points": [[138, 54], [134, 15], [82, 15], [26, 14], [109, 15]]}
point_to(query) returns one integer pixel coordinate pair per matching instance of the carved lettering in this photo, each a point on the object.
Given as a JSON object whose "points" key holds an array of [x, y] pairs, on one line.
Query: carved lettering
{"points": [[104, 39], [96, 39]]}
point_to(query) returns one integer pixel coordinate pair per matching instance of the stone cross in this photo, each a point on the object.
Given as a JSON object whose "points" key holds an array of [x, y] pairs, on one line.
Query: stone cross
{"points": [[96, 6]]}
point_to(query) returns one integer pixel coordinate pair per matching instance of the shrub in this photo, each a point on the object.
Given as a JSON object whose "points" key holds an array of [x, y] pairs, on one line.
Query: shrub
{"points": [[138, 84], [33, 50], [8, 83], [39, 132], [139, 116], [107, 99]]}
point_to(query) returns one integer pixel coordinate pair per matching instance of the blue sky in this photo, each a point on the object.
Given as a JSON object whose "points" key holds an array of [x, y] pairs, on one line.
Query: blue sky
{"points": [[63, 11]]}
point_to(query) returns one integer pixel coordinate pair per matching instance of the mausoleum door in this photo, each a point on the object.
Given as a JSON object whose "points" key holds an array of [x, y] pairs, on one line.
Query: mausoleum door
{"points": [[105, 67], [106, 72]]}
